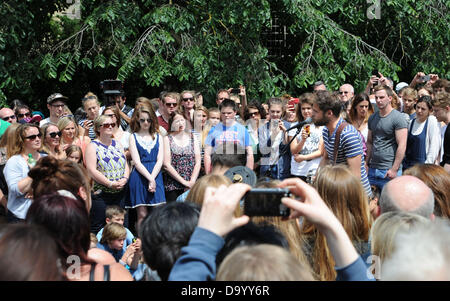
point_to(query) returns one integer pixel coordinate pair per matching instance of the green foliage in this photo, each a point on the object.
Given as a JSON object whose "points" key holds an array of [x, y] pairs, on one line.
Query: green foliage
{"points": [[209, 44]]}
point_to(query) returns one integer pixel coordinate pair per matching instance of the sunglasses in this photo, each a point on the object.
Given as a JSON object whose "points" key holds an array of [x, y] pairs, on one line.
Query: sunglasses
{"points": [[32, 137], [54, 134], [144, 120], [58, 106], [171, 104], [188, 99], [23, 115], [343, 92], [9, 117], [108, 125]]}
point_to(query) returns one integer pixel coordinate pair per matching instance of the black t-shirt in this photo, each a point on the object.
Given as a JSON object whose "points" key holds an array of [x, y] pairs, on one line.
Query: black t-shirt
{"points": [[446, 157]]}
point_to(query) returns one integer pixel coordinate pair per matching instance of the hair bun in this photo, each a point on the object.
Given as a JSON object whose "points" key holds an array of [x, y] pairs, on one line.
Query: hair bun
{"points": [[45, 167]]}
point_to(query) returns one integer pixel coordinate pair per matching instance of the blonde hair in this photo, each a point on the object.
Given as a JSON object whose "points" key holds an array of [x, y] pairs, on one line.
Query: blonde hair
{"points": [[262, 262], [385, 229], [44, 146], [98, 121], [113, 231], [64, 122], [345, 196], [197, 192], [408, 91]]}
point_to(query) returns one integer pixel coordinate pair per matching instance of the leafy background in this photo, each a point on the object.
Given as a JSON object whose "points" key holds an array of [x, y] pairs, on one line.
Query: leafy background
{"points": [[206, 45]]}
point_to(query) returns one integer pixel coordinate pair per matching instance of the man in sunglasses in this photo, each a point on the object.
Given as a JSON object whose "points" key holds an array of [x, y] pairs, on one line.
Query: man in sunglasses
{"points": [[346, 92], [55, 105], [169, 105], [8, 115]]}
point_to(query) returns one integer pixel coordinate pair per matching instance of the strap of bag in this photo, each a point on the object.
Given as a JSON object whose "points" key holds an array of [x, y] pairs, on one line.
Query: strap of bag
{"points": [[91, 274], [337, 140], [106, 273]]}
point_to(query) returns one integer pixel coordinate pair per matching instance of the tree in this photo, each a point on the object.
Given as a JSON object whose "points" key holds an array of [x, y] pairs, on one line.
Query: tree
{"points": [[208, 45]]}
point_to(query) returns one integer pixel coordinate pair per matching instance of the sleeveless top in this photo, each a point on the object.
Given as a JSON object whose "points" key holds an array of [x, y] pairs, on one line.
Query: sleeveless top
{"points": [[111, 163], [183, 160]]}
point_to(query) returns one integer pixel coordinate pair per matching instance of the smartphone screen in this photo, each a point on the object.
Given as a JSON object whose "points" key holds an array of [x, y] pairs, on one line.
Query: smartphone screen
{"points": [[266, 202]]}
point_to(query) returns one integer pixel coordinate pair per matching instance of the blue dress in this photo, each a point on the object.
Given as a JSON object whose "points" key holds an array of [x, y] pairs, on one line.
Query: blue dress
{"points": [[138, 184]]}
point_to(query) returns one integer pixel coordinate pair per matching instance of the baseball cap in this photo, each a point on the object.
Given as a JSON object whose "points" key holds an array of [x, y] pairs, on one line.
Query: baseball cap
{"points": [[400, 86], [56, 96]]}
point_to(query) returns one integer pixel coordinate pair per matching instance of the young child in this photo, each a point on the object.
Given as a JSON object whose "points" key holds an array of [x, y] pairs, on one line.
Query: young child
{"points": [[214, 117], [113, 241], [116, 214], [74, 153]]}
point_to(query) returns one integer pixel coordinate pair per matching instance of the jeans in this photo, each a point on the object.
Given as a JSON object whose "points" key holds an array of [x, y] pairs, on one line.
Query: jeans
{"points": [[99, 203], [377, 177]]}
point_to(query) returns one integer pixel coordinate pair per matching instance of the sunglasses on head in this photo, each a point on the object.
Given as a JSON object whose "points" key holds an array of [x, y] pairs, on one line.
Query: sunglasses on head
{"points": [[54, 134], [108, 125], [144, 120], [24, 115], [9, 117], [188, 99], [32, 137]]}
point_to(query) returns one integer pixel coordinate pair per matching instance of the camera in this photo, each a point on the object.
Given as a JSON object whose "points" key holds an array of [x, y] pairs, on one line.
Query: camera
{"points": [[266, 202], [235, 91], [111, 88]]}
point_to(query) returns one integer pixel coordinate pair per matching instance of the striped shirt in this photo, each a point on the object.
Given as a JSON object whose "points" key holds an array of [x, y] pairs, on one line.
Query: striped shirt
{"points": [[350, 145]]}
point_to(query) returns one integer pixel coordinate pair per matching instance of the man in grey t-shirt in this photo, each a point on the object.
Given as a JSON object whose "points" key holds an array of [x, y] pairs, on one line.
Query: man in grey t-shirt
{"points": [[386, 140]]}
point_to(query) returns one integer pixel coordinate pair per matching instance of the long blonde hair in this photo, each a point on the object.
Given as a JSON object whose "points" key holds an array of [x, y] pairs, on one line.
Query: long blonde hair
{"points": [[345, 196], [45, 147]]}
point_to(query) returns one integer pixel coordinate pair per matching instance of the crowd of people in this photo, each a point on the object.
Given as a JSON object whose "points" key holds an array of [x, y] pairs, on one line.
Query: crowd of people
{"points": [[145, 193]]}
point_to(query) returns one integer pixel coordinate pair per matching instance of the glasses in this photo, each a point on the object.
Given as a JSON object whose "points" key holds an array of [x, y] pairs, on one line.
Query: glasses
{"points": [[32, 137], [23, 115], [343, 92], [9, 117], [108, 125], [188, 99], [144, 120], [67, 115], [54, 134], [58, 106], [172, 104]]}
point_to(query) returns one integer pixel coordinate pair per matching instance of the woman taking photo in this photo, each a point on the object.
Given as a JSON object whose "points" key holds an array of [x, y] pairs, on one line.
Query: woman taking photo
{"points": [[360, 112], [181, 158], [146, 187], [307, 148], [118, 133], [51, 141], [255, 116], [107, 165], [22, 156], [71, 134], [424, 140]]}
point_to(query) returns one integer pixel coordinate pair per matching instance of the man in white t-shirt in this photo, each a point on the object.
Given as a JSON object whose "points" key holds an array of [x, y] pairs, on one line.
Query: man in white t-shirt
{"points": [[55, 105]]}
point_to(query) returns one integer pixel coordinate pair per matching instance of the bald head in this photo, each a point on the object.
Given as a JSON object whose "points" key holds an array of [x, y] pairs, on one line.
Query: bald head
{"points": [[8, 115], [346, 92], [407, 194]]}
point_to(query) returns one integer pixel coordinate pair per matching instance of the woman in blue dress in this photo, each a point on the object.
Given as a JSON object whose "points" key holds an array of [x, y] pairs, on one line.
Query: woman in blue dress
{"points": [[146, 186]]}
